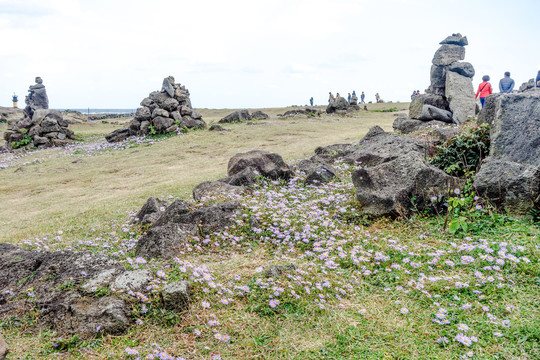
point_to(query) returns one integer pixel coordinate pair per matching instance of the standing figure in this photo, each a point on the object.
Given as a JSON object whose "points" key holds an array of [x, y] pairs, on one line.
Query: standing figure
{"points": [[377, 97], [331, 97], [506, 85], [349, 98], [413, 94], [15, 99], [362, 98], [311, 101], [484, 89], [337, 96]]}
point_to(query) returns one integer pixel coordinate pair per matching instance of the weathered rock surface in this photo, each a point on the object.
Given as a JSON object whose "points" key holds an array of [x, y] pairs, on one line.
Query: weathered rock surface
{"points": [[216, 127], [460, 95], [384, 147], [448, 54], [152, 208], [407, 126], [270, 165], [513, 187], [162, 112], [246, 177], [276, 271], [432, 113], [418, 102], [455, 39], [165, 241], [135, 280], [215, 188], [388, 189], [237, 116], [259, 115], [528, 85], [340, 104], [321, 174], [510, 176], [462, 68], [176, 296], [57, 281]]}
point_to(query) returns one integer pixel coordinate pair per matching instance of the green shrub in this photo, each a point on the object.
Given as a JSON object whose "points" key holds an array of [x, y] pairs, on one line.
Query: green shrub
{"points": [[463, 153], [25, 141]]}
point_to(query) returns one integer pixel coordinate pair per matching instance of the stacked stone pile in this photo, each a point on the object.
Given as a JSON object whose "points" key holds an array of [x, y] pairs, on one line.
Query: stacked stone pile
{"points": [[162, 112], [341, 106], [450, 96], [40, 126]]}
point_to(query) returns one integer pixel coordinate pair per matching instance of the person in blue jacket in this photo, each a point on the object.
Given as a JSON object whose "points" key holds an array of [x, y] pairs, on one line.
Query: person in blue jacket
{"points": [[506, 85], [538, 79]]}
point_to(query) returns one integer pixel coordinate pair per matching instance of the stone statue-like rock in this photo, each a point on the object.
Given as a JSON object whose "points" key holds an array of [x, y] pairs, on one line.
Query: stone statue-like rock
{"points": [[460, 95], [40, 127]]}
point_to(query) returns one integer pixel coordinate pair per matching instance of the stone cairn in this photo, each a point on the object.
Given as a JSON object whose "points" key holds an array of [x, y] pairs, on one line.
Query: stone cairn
{"points": [[40, 126], [341, 106], [450, 96], [162, 112]]}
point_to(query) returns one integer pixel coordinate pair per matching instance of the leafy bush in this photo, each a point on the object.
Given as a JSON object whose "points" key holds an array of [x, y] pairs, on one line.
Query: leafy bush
{"points": [[25, 141], [463, 153]]}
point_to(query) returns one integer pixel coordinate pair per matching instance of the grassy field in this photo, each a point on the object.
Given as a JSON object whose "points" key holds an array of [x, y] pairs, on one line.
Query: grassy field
{"points": [[363, 289]]}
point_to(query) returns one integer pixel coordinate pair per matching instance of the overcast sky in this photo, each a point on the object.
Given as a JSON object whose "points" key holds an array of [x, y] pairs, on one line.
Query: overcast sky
{"points": [[255, 53]]}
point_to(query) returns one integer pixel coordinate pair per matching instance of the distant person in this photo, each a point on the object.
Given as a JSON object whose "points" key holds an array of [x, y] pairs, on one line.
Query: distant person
{"points": [[417, 92], [484, 89], [538, 79], [311, 101], [413, 94], [506, 85], [377, 97], [331, 97], [363, 97], [15, 99], [353, 93], [337, 96], [349, 98]]}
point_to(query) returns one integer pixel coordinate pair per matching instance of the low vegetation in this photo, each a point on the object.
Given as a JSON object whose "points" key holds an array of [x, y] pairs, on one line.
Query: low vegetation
{"points": [[412, 288]]}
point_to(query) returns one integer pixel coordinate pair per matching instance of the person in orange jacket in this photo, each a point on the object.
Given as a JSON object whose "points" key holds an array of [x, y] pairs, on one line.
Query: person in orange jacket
{"points": [[484, 89]]}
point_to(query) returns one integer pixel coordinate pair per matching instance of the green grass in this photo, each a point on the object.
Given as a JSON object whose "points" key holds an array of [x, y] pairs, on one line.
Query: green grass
{"points": [[354, 274]]}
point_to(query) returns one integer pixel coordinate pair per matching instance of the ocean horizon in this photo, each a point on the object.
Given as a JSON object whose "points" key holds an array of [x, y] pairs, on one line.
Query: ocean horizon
{"points": [[90, 111]]}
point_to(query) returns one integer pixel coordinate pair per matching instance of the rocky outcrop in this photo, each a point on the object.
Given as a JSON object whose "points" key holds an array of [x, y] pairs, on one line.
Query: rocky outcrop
{"points": [[396, 187], [61, 284], [322, 173], [215, 189], [340, 106], [510, 176], [162, 112], [259, 115], [237, 116], [270, 165], [40, 127]]}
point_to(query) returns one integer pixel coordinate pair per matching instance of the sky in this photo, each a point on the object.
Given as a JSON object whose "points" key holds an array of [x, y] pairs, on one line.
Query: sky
{"points": [[255, 53]]}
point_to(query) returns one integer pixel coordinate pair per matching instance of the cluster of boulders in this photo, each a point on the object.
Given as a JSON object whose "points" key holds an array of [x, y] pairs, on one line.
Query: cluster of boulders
{"points": [[162, 112], [450, 96], [243, 115], [40, 127], [341, 106], [77, 292], [510, 176]]}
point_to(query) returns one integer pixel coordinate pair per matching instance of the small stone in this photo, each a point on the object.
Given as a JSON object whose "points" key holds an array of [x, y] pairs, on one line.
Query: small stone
{"points": [[176, 296]]}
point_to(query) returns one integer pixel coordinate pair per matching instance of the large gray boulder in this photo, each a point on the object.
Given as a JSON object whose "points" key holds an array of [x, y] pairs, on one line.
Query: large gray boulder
{"points": [[407, 126], [418, 102], [514, 121], [510, 176], [166, 241], [460, 95], [384, 147], [246, 177], [270, 165], [394, 188], [340, 104], [462, 68], [55, 279], [118, 135], [448, 54], [237, 116], [259, 115], [513, 187], [152, 207]]}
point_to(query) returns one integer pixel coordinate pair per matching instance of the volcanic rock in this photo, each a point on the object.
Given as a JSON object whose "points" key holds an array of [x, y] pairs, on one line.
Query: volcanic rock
{"points": [[270, 165]]}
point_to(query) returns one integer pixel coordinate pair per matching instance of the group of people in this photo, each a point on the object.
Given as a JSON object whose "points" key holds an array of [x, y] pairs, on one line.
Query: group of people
{"points": [[506, 86], [415, 93], [332, 98]]}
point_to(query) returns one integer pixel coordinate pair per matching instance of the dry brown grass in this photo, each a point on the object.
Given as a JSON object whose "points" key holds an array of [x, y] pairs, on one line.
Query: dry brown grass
{"points": [[68, 191]]}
